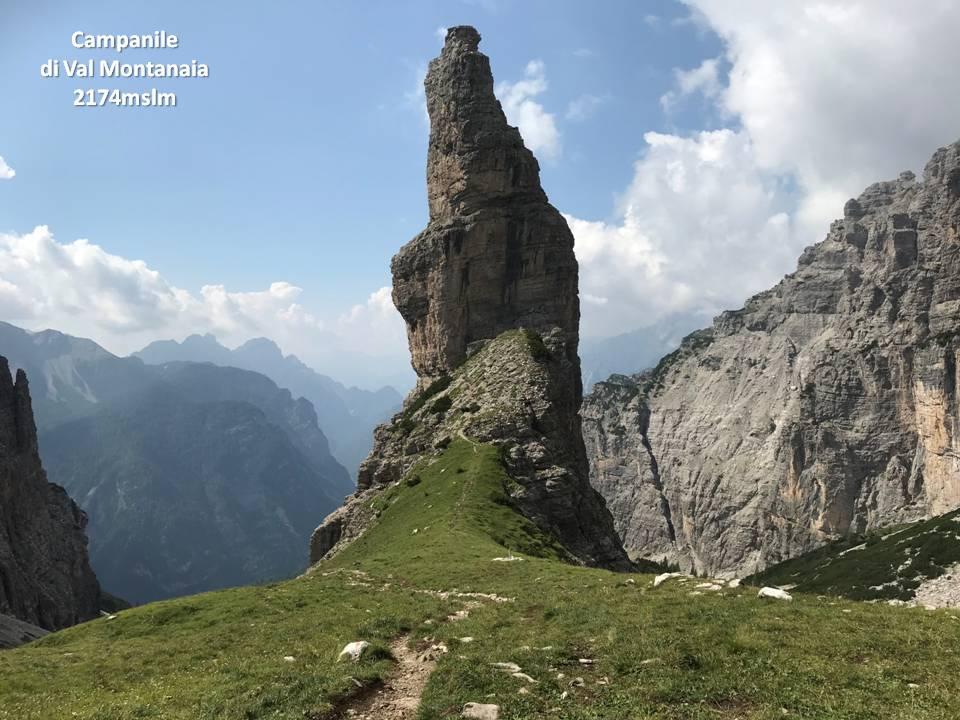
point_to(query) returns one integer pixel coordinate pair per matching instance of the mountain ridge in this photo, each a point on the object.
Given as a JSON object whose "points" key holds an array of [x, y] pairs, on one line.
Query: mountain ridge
{"points": [[116, 432], [346, 414], [824, 407]]}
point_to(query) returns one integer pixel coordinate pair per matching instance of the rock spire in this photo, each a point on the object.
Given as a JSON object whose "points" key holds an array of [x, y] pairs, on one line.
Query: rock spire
{"points": [[495, 255], [45, 575]]}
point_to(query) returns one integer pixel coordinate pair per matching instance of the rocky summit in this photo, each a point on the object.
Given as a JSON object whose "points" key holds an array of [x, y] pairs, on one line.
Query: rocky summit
{"points": [[826, 406], [495, 254], [489, 295], [45, 575]]}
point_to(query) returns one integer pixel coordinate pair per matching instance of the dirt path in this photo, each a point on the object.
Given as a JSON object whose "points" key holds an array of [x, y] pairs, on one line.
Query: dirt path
{"points": [[399, 696]]}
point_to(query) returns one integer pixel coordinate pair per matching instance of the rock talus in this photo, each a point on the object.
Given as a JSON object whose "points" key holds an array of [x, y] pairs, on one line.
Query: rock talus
{"points": [[827, 405], [489, 295], [45, 574]]}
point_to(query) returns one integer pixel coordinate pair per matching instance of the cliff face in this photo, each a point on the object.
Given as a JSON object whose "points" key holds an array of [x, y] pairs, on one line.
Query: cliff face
{"points": [[495, 254], [827, 405], [45, 575], [489, 295]]}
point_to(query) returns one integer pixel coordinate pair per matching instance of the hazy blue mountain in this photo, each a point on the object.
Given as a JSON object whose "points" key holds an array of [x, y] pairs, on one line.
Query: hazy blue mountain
{"points": [[194, 476], [347, 415], [636, 350]]}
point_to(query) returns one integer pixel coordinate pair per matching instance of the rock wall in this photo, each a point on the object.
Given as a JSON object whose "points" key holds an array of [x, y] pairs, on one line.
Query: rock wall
{"points": [[826, 405], [495, 254], [45, 575], [489, 294]]}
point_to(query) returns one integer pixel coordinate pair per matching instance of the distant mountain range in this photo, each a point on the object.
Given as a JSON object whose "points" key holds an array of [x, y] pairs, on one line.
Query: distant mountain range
{"points": [[347, 415], [194, 476], [636, 350]]}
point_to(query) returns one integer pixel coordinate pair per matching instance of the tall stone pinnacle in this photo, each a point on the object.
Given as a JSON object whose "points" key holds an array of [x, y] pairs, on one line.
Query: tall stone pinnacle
{"points": [[495, 255]]}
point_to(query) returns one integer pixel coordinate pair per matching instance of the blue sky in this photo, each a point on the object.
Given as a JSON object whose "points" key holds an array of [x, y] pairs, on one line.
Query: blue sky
{"points": [[304, 130], [696, 148]]}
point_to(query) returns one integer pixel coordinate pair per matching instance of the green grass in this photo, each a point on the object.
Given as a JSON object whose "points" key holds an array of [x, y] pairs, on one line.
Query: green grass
{"points": [[658, 653], [889, 565], [538, 350]]}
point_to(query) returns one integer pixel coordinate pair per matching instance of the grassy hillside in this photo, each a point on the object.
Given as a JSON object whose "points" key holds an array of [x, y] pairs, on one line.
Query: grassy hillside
{"points": [[878, 566], [667, 652]]}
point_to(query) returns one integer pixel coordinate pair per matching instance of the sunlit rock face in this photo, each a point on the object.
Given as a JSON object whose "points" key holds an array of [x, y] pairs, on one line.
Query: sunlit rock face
{"points": [[827, 405], [496, 255]]}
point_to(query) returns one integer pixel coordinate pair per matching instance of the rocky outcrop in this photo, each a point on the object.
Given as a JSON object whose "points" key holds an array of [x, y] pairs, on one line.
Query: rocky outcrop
{"points": [[489, 295], [15, 632], [513, 393], [45, 576], [825, 406], [495, 254]]}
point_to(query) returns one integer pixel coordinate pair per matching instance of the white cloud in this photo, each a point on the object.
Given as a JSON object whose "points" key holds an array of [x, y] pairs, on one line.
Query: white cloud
{"points": [[583, 107], [703, 79], [699, 228], [373, 326], [840, 94], [81, 289], [583, 52], [823, 98], [538, 127], [6, 172]]}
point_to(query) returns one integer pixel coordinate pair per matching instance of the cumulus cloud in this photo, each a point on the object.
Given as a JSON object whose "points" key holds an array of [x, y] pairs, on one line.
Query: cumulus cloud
{"points": [[840, 94], [703, 79], [538, 127], [81, 289], [373, 326], [699, 226], [821, 98], [6, 172]]}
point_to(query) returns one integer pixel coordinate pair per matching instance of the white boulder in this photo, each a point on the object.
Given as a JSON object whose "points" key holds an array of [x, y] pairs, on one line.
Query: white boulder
{"points": [[774, 593], [354, 650], [481, 711], [660, 579]]}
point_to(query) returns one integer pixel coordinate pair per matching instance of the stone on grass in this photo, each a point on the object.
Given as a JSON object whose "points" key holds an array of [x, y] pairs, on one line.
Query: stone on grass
{"points": [[354, 650], [660, 579], [709, 586], [481, 711], [774, 594]]}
